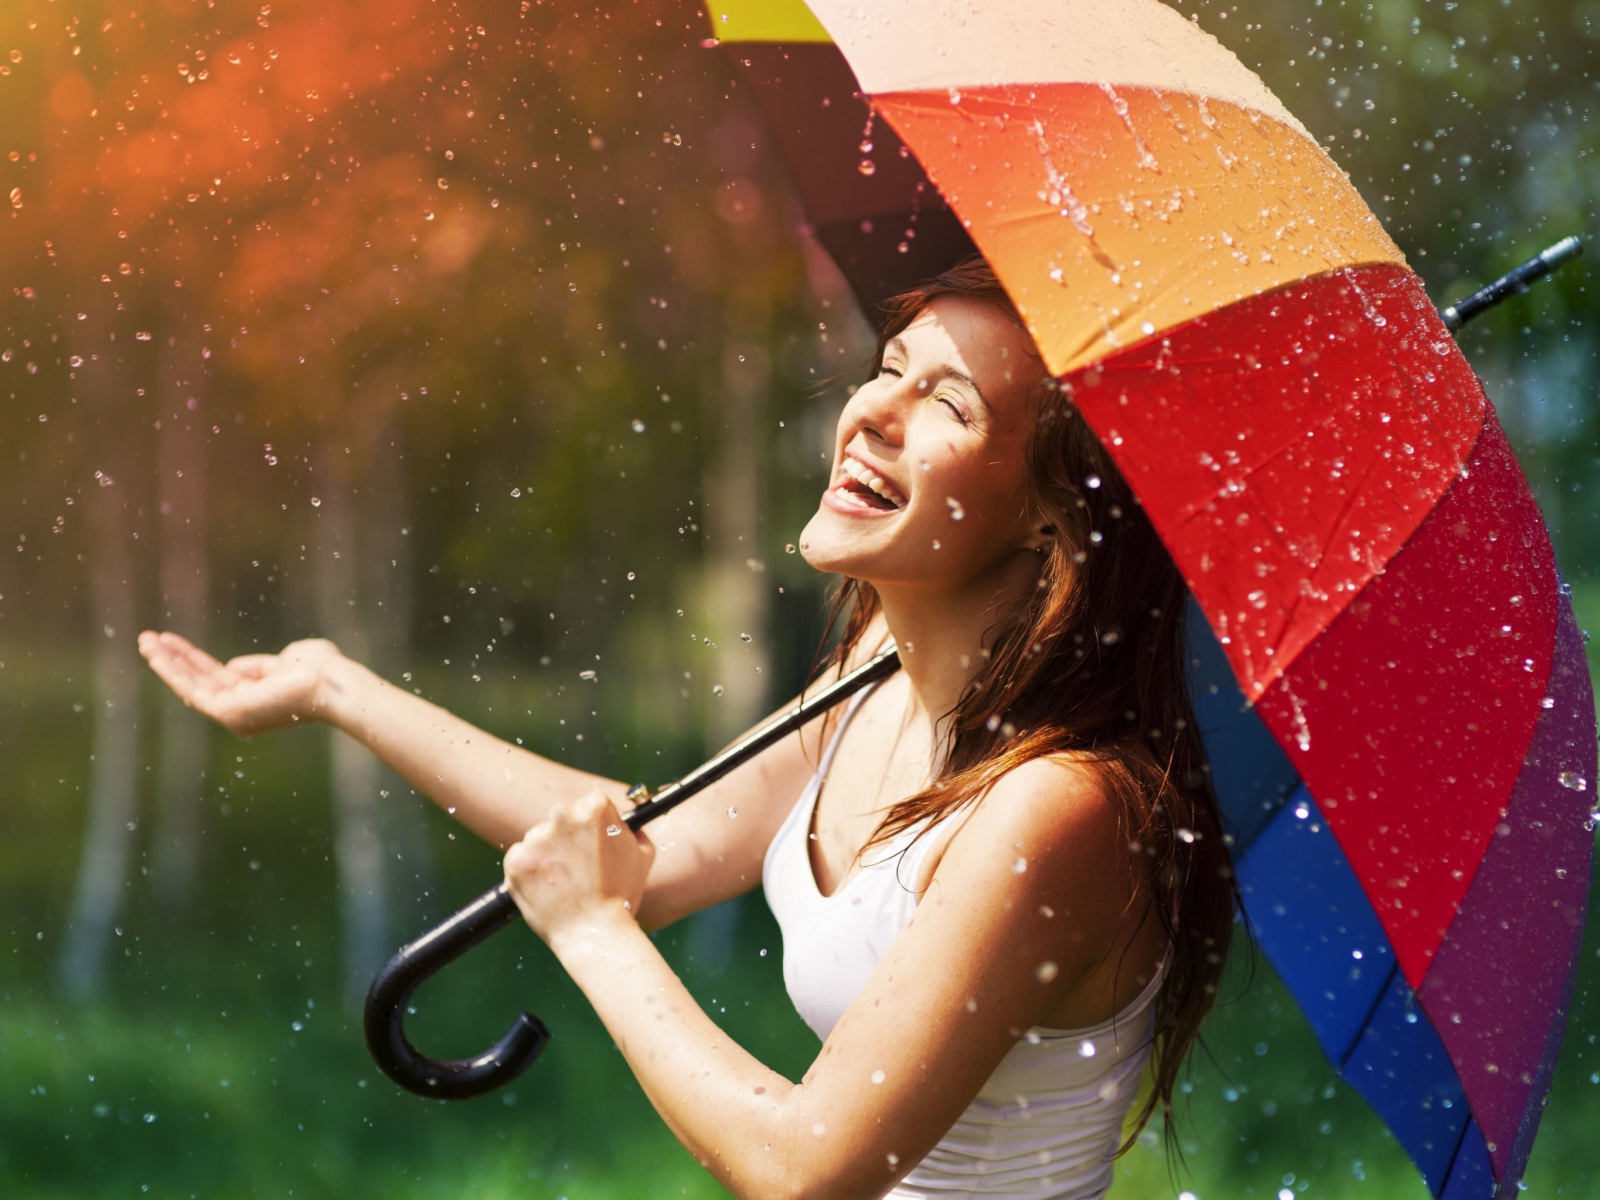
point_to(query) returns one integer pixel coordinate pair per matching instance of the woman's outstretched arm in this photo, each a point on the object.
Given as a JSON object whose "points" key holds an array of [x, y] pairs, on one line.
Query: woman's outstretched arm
{"points": [[494, 788], [992, 950]]}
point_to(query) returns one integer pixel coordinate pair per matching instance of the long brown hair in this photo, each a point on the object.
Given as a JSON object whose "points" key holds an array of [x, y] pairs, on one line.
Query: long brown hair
{"points": [[1091, 664]]}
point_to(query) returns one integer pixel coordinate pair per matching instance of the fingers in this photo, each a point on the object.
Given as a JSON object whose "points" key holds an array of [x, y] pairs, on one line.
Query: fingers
{"points": [[171, 668], [199, 661]]}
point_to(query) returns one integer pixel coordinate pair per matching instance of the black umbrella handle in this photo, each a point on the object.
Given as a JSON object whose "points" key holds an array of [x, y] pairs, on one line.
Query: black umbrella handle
{"points": [[1511, 283], [383, 1018]]}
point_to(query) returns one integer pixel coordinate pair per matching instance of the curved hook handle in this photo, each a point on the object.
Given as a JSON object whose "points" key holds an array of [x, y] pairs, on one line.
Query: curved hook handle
{"points": [[383, 1017]]}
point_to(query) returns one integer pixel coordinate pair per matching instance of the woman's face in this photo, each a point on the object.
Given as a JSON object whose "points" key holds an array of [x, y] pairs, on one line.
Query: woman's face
{"points": [[929, 475]]}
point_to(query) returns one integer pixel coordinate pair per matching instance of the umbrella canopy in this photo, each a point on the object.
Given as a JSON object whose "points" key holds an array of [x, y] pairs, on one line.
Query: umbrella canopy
{"points": [[1389, 677]]}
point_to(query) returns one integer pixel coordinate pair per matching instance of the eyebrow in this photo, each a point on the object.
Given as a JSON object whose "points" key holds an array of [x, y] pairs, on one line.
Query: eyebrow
{"points": [[946, 372]]}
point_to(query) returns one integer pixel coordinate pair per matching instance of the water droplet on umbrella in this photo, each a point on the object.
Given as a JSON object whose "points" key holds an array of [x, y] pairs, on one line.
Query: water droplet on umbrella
{"points": [[1571, 779]]}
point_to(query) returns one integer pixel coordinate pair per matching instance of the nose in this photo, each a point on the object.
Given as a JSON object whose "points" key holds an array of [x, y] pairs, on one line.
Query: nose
{"points": [[878, 411]]}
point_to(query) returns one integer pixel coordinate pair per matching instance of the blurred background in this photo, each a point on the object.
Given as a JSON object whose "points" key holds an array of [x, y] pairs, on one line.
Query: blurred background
{"points": [[488, 339]]}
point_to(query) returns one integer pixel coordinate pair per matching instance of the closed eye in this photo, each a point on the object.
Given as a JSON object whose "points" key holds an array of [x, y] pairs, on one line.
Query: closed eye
{"points": [[956, 410]]}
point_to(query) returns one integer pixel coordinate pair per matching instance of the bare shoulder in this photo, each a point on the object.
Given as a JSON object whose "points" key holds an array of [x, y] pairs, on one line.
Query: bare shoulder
{"points": [[1053, 809]]}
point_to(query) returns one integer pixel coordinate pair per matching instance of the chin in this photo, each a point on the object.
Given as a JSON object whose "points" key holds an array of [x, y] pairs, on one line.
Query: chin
{"points": [[867, 550], [837, 545]]}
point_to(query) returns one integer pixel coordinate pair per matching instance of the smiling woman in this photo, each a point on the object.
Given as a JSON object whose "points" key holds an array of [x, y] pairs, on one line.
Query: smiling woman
{"points": [[1000, 874]]}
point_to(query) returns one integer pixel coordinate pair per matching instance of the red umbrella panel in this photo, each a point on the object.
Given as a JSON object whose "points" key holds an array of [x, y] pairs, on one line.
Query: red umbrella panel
{"points": [[1392, 687]]}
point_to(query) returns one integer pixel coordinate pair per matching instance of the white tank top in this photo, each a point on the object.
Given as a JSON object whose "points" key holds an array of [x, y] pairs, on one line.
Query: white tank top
{"points": [[1048, 1121]]}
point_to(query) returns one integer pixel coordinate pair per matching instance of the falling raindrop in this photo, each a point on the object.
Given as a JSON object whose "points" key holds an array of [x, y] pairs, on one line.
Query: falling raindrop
{"points": [[788, 548], [1047, 971], [1086, 1049], [316, 502], [613, 830], [732, 812], [867, 167], [716, 689], [588, 676], [957, 512], [1092, 482], [638, 425], [1020, 866]]}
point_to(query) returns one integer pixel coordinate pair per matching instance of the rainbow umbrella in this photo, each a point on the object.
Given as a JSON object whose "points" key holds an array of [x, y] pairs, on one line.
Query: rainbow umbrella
{"points": [[1393, 689]]}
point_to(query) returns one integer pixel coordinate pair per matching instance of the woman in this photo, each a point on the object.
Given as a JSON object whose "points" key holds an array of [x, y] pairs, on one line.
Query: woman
{"points": [[999, 874]]}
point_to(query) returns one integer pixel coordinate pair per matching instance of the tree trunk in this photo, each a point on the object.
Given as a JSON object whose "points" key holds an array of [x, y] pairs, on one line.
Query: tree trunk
{"points": [[735, 596], [354, 777], [181, 503], [386, 607], [735, 584], [114, 737]]}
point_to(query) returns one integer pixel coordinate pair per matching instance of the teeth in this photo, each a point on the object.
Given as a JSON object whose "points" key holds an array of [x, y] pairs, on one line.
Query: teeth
{"points": [[864, 475]]}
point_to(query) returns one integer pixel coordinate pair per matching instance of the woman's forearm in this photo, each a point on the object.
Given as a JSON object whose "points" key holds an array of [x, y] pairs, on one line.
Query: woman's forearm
{"points": [[495, 789], [746, 1124]]}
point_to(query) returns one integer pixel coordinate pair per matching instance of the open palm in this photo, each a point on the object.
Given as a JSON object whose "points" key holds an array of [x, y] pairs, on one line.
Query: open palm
{"points": [[255, 693]]}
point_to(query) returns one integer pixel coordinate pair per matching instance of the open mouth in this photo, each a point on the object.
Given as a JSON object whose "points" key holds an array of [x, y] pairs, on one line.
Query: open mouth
{"points": [[860, 486]]}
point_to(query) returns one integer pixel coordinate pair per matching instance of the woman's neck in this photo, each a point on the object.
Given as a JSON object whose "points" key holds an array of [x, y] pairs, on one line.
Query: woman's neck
{"points": [[943, 634]]}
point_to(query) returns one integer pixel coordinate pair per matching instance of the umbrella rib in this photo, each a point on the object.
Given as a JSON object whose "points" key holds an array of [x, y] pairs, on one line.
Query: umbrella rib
{"points": [[1461, 1138], [1338, 525], [1344, 1059]]}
